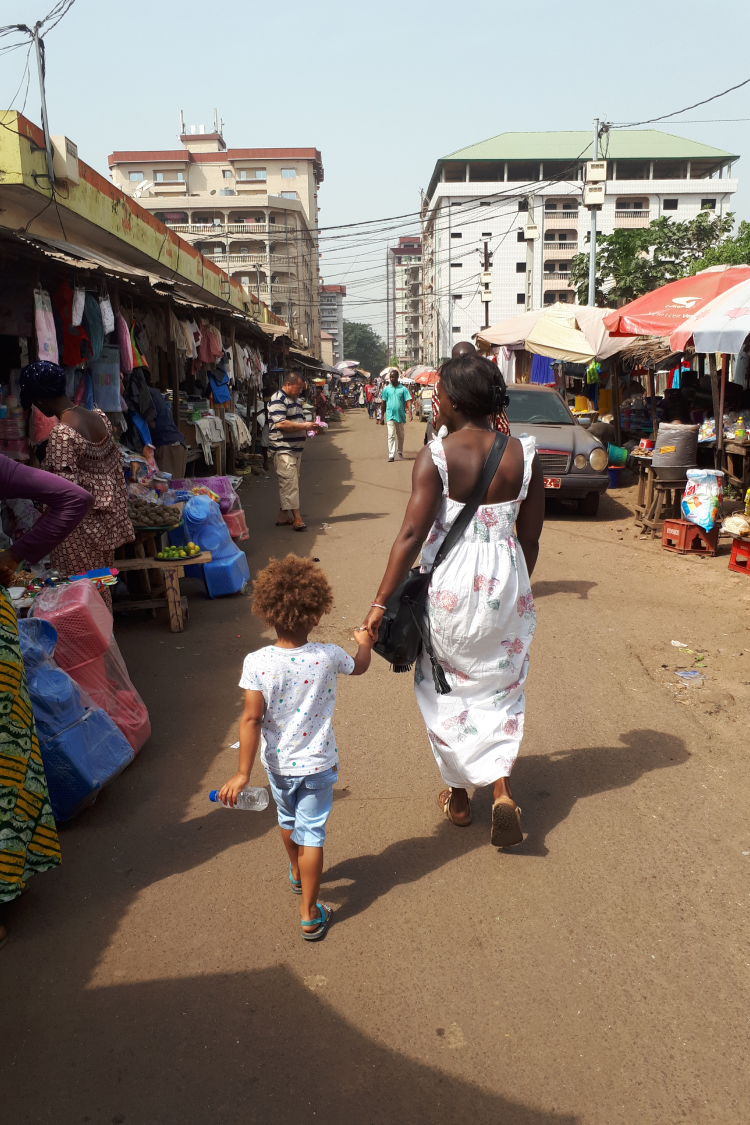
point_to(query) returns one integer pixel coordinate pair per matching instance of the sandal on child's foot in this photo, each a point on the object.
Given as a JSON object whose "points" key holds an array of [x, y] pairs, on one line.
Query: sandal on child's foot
{"points": [[321, 924], [296, 884]]}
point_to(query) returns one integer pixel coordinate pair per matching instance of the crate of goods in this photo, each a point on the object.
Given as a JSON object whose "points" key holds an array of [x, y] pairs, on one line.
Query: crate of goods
{"points": [[739, 559], [687, 538], [235, 521]]}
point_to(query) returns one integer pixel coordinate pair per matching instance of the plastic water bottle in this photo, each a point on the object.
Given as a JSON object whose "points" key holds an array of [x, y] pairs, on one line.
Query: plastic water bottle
{"points": [[247, 799]]}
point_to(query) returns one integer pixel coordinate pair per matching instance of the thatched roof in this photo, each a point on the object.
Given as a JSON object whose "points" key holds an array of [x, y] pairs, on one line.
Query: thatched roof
{"points": [[647, 351]]}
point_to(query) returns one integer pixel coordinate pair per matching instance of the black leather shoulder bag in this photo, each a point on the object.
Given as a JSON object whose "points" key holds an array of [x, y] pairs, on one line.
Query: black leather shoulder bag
{"points": [[404, 629]]}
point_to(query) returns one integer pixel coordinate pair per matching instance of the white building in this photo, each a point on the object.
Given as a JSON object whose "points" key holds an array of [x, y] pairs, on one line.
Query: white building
{"points": [[522, 193], [404, 300], [252, 211], [331, 304]]}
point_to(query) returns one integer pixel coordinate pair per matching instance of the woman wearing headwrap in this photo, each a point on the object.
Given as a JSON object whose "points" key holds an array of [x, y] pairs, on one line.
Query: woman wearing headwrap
{"points": [[81, 448], [28, 837]]}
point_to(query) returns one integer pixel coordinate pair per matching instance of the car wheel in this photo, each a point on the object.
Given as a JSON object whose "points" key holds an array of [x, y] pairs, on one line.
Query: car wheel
{"points": [[589, 505]]}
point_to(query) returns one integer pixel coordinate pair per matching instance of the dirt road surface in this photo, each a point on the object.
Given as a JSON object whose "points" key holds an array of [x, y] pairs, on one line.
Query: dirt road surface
{"points": [[596, 975]]}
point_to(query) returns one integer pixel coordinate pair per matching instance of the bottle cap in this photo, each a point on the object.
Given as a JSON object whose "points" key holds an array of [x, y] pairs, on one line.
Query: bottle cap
{"points": [[213, 795]]}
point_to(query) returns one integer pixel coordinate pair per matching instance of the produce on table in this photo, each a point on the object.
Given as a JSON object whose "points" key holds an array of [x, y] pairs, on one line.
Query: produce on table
{"points": [[187, 552]]}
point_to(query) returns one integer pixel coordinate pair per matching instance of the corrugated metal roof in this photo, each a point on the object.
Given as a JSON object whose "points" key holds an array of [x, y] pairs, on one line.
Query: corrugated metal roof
{"points": [[624, 144]]}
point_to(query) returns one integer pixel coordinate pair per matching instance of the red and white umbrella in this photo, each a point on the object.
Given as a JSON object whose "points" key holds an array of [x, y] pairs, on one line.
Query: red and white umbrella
{"points": [[663, 310], [722, 325]]}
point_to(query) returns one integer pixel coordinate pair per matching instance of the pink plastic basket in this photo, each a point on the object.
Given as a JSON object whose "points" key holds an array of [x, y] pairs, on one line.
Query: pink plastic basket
{"points": [[82, 620], [236, 525]]}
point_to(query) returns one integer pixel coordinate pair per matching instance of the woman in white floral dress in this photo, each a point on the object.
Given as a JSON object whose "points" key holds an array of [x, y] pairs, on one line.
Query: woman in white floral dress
{"points": [[481, 610]]}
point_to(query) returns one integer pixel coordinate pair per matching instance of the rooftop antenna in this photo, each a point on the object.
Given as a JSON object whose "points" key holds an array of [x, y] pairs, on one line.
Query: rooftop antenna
{"points": [[216, 121], [182, 123]]}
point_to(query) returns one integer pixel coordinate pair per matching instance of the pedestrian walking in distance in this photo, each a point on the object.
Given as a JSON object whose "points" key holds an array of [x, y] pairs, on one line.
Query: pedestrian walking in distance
{"points": [[290, 695], [287, 435], [397, 401], [480, 609]]}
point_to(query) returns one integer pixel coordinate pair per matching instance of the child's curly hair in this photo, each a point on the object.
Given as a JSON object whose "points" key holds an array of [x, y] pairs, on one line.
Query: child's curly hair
{"points": [[291, 594]]}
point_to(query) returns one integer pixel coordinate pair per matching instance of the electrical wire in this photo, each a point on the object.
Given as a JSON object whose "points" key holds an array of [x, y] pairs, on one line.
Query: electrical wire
{"points": [[676, 112]]}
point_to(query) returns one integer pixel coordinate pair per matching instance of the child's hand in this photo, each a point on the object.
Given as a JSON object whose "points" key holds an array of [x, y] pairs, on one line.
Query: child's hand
{"points": [[229, 792], [362, 637]]}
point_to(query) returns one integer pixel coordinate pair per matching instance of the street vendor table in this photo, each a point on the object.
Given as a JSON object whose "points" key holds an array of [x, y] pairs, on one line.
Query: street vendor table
{"points": [[646, 478], [738, 463], [173, 570]]}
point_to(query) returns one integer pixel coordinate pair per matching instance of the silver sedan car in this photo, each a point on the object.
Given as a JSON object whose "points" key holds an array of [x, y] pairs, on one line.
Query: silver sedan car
{"points": [[574, 462]]}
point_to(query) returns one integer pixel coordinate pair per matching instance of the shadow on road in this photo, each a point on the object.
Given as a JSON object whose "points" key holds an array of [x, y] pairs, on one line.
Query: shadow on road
{"points": [[257, 1047], [545, 786], [564, 586]]}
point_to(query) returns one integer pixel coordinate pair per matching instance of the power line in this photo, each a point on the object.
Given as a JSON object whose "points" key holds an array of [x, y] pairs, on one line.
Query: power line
{"points": [[676, 112]]}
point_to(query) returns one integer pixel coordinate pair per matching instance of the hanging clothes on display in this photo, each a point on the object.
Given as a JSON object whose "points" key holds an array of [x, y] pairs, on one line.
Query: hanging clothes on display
{"points": [[541, 370], [76, 345]]}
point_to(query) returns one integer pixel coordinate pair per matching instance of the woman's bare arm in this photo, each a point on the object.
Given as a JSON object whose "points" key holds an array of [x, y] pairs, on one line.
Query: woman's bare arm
{"points": [[531, 516], [426, 494]]}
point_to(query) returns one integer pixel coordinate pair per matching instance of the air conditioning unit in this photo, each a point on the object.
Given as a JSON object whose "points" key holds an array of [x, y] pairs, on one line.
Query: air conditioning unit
{"points": [[65, 159], [593, 195], [596, 171]]}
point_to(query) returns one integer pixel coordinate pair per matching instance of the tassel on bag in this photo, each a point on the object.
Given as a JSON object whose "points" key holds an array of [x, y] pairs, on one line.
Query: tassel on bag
{"points": [[442, 687]]}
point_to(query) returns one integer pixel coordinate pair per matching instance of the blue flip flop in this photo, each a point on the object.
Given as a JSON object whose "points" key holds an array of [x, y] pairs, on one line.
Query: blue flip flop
{"points": [[296, 884], [323, 921]]}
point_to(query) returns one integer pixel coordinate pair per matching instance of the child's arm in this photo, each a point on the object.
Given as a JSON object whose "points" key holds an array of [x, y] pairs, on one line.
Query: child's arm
{"points": [[250, 724], [364, 652]]}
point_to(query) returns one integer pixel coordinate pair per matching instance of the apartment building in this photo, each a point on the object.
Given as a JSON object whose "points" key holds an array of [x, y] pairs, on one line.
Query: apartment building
{"points": [[331, 305], [522, 193], [252, 211], [404, 300]]}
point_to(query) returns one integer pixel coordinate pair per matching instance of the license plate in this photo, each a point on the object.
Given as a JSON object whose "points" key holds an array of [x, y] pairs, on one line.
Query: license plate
{"points": [[552, 482]]}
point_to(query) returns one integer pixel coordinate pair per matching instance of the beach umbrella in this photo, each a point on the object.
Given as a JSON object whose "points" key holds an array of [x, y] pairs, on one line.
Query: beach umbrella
{"points": [[427, 378], [573, 333], [722, 325], [663, 310]]}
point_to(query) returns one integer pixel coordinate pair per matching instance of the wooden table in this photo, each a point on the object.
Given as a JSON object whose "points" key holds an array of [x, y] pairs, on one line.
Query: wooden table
{"points": [[172, 571], [646, 478], [737, 455]]}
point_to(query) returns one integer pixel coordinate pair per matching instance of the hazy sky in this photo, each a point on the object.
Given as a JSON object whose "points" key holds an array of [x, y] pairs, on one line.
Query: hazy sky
{"points": [[382, 89]]}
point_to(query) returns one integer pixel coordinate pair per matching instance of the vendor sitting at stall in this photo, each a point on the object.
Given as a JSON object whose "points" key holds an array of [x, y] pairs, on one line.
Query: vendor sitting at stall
{"points": [[81, 448]]}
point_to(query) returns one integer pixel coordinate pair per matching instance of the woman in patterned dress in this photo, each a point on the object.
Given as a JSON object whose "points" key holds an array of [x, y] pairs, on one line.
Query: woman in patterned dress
{"points": [[481, 610], [28, 837], [81, 448]]}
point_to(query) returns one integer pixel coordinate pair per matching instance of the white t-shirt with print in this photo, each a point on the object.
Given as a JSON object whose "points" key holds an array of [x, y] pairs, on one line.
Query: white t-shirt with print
{"points": [[299, 687]]}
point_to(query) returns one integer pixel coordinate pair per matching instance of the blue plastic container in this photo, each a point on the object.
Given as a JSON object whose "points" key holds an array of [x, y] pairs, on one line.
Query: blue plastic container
{"points": [[226, 576], [203, 524]]}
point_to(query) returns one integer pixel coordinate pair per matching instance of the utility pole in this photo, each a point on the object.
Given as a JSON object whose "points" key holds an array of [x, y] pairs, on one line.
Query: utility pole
{"points": [[486, 293], [592, 248], [388, 305], [450, 288], [39, 47]]}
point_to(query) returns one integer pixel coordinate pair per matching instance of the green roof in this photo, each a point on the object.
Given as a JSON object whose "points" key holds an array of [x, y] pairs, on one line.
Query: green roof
{"points": [[620, 144]]}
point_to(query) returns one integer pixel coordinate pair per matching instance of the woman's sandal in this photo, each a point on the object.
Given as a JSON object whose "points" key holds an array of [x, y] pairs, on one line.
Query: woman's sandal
{"points": [[299, 527], [506, 823], [444, 800], [322, 922], [296, 884], [284, 523]]}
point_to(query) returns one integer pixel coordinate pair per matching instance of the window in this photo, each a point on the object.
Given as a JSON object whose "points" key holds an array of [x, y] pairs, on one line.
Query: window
{"points": [[706, 204], [520, 298], [520, 267], [457, 296], [456, 328], [550, 206], [456, 235], [136, 177], [523, 204], [486, 234], [549, 236], [520, 236], [226, 173], [670, 204], [167, 177], [288, 173], [289, 195], [158, 177], [456, 265], [629, 205], [252, 173]]}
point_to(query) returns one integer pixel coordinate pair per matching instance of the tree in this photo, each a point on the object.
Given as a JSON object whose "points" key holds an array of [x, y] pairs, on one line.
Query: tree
{"points": [[630, 263], [362, 343], [733, 251]]}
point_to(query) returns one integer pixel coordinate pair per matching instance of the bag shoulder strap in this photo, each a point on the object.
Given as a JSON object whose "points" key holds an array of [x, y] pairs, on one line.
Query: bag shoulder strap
{"points": [[494, 457]]}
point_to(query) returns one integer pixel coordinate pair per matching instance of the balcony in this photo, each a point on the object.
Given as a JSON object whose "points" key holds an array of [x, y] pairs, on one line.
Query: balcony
{"points": [[558, 220], [555, 280], [557, 247], [632, 218], [249, 229]]}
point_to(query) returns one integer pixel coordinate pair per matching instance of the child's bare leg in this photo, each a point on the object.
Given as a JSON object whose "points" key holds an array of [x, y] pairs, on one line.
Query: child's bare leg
{"points": [[310, 872], [292, 850]]}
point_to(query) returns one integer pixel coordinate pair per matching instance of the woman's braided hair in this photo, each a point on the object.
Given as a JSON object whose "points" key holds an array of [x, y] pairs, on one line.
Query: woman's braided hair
{"points": [[474, 385]]}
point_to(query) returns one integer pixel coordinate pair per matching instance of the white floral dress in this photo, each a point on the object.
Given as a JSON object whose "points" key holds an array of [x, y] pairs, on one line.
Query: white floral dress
{"points": [[482, 619]]}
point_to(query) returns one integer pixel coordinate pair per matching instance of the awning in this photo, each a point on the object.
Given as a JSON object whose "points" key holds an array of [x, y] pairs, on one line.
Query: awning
{"points": [[663, 310], [548, 332], [722, 325]]}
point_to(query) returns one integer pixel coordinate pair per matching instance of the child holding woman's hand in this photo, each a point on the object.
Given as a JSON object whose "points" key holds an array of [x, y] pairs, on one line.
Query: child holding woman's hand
{"points": [[290, 694]]}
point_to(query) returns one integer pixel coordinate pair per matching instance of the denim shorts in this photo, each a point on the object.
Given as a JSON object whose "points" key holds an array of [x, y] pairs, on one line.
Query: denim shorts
{"points": [[304, 804]]}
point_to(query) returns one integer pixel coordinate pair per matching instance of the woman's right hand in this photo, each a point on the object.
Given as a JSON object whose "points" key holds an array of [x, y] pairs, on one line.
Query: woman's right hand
{"points": [[372, 622]]}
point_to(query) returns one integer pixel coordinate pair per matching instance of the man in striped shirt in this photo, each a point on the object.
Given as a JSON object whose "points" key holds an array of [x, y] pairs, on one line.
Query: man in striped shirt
{"points": [[287, 435]]}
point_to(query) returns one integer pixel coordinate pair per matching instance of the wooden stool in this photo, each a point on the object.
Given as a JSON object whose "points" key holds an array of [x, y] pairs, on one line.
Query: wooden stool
{"points": [[686, 538], [739, 559], [666, 503]]}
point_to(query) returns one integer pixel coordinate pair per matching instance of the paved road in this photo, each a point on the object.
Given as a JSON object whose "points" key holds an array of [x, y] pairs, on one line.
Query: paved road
{"points": [[597, 974]]}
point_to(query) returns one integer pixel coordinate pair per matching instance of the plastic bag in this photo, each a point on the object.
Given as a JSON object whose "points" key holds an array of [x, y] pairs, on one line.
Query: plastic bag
{"points": [[219, 489], [44, 323], [87, 651], [79, 303], [81, 747], [203, 525], [701, 500], [108, 317]]}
